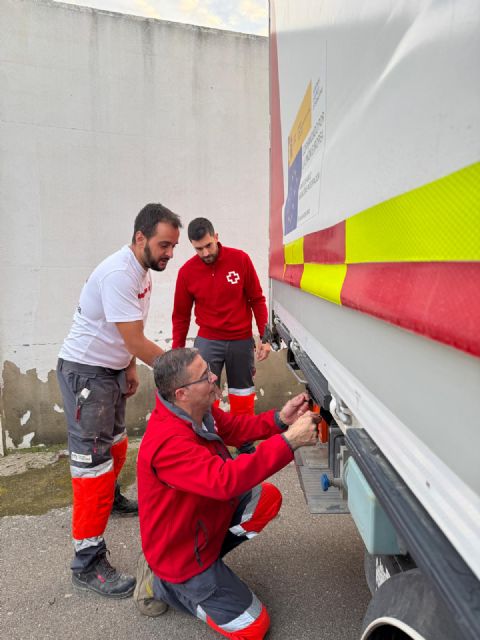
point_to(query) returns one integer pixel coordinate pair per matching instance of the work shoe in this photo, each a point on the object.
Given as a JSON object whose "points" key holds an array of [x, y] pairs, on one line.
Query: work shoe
{"points": [[143, 594], [105, 580], [122, 506]]}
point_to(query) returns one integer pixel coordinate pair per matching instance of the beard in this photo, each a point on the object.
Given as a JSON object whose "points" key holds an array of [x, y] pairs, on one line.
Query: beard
{"points": [[150, 263], [211, 258]]}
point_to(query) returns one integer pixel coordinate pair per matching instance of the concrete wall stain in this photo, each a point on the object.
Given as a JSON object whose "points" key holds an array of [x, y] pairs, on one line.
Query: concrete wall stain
{"points": [[23, 393], [32, 409], [120, 110]]}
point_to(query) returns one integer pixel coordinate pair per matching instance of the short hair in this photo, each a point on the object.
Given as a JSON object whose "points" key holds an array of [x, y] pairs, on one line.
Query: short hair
{"points": [[199, 228], [169, 370], [148, 218]]}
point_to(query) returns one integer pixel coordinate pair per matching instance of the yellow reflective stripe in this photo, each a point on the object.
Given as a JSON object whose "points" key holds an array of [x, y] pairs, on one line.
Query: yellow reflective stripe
{"points": [[294, 252], [324, 280], [439, 221]]}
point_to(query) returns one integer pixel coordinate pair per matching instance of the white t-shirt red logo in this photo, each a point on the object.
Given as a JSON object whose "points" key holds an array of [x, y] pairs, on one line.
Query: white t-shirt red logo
{"points": [[233, 277], [144, 292]]}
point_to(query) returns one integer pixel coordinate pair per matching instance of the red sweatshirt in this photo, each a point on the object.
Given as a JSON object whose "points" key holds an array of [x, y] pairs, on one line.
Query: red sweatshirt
{"points": [[225, 293], [189, 486]]}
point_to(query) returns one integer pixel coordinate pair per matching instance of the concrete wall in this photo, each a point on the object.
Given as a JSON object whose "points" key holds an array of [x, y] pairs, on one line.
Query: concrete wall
{"points": [[101, 113]]}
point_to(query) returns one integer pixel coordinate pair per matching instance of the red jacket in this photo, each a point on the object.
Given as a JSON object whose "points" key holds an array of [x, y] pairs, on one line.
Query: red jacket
{"points": [[189, 486], [225, 293]]}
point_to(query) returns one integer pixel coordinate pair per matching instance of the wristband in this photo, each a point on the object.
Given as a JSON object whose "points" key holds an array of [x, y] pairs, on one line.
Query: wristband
{"points": [[279, 422], [288, 443]]}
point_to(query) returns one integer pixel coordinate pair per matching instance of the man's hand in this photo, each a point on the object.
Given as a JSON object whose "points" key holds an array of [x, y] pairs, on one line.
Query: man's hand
{"points": [[294, 408], [303, 432], [131, 377], [262, 351]]}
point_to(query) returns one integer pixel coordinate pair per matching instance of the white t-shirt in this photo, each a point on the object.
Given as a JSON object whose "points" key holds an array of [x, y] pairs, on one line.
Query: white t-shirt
{"points": [[118, 290]]}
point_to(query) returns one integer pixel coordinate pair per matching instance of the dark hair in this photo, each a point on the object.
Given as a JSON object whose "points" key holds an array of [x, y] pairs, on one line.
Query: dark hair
{"points": [[199, 228], [148, 218], [169, 370]]}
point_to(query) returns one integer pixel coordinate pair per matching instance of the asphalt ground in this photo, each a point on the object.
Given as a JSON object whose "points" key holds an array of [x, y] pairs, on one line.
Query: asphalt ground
{"points": [[307, 570]]}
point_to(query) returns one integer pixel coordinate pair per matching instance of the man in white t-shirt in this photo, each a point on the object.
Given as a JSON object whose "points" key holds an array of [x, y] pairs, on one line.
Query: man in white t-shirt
{"points": [[97, 373]]}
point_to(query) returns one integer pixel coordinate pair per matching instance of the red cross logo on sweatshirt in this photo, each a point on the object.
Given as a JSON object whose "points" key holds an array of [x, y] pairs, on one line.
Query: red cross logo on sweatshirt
{"points": [[233, 277]]}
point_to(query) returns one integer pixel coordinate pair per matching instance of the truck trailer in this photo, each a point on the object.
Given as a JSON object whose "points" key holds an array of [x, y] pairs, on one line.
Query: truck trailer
{"points": [[374, 267]]}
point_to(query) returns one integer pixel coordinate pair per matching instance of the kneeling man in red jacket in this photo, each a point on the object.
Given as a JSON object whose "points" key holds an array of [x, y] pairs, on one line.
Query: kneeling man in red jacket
{"points": [[196, 503]]}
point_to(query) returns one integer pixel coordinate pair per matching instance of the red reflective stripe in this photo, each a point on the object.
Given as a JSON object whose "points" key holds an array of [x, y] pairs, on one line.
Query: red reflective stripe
{"points": [[242, 405], [255, 631], [119, 455], [437, 299], [293, 274], [326, 246], [92, 504], [277, 196], [267, 508]]}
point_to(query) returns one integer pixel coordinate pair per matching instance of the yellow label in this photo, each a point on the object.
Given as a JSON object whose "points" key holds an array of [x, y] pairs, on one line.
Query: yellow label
{"points": [[301, 126]]}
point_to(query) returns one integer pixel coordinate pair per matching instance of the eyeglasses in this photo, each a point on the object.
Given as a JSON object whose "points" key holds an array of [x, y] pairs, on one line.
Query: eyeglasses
{"points": [[207, 377]]}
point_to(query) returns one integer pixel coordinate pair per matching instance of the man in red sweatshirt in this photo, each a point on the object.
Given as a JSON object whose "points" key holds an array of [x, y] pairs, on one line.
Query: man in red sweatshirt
{"points": [[196, 503], [224, 287]]}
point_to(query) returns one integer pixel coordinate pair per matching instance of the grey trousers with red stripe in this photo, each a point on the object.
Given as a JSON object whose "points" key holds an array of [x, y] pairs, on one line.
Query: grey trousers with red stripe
{"points": [[94, 404], [217, 595], [237, 357]]}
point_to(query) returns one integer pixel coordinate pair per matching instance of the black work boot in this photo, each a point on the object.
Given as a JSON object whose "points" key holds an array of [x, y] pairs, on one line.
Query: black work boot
{"points": [[122, 506], [104, 579]]}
